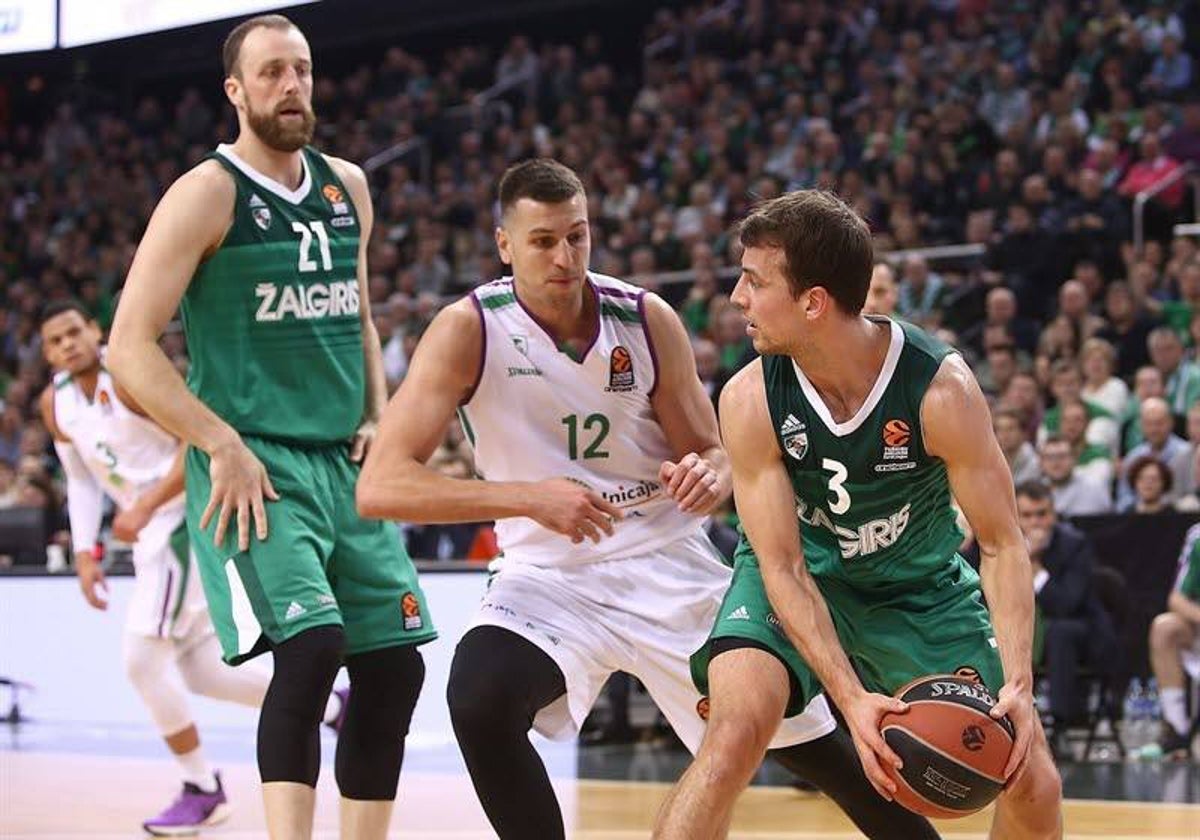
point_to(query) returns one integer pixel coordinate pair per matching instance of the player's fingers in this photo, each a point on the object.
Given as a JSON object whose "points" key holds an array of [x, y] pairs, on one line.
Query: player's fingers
{"points": [[223, 515], [682, 472], [879, 780], [601, 520], [700, 494], [358, 448], [605, 505], [268, 488], [665, 472], [243, 524], [681, 488], [589, 531], [875, 742], [209, 509], [895, 705], [1020, 752], [260, 516]]}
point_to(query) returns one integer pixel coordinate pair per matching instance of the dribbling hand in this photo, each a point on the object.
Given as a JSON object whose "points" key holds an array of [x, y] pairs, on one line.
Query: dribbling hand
{"points": [[572, 509], [862, 719], [1016, 701], [693, 483], [239, 485]]}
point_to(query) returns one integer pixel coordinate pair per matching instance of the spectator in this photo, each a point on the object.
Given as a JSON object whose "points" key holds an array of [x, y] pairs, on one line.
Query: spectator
{"points": [[882, 295], [1151, 482], [1066, 385], [1184, 474], [1022, 458], [1171, 75], [1160, 443], [1074, 494], [1093, 460], [1181, 378], [922, 293], [1183, 144], [1178, 314], [1129, 327], [1076, 630], [1173, 638], [1100, 386], [1001, 310], [1147, 383]]}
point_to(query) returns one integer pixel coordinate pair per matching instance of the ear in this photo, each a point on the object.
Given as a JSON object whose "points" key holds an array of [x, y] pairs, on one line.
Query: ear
{"points": [[818, 302], [233, 91], [503, 246]]}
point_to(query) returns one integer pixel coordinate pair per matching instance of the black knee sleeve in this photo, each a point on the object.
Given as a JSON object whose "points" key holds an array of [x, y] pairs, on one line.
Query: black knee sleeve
{"points": [[384, 685], [498, 682], [289, 744], [831, 763]]}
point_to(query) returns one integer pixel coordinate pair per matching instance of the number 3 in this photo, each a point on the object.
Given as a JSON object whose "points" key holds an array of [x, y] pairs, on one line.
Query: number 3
{"points": [[837, 487]]}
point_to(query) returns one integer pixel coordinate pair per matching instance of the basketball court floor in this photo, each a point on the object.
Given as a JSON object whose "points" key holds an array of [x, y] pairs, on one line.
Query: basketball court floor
{"points": [[76, 781]]}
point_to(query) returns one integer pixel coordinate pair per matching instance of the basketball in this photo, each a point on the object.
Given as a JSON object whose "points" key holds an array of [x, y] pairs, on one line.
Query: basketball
{"points": [[953, 751]]}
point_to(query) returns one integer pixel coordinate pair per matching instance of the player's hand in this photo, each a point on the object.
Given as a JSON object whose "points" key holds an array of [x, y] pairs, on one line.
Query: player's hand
{"points": [[694, 483], [1016, 701], [862, 715], [91, 579], [127, 524], [573, 509], [239, 485], [362, 440]]}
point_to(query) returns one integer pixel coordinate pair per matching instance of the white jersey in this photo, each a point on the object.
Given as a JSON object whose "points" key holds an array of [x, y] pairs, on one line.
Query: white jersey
{"points": [[125, 452], [537, 413]]}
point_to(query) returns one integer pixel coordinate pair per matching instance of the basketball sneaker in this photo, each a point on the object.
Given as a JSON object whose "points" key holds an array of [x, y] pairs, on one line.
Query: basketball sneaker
{"points": [[1170, 746], [191, 811]]}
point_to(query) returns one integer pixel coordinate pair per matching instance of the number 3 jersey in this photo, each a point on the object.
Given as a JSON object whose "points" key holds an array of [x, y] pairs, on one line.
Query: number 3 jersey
{"points": [[538, 413], [124, 452], [874, 506]]}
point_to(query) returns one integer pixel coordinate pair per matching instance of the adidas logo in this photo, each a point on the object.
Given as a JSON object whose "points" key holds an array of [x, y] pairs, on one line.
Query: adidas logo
{"points": [[740, 614], [294, 610], [255, 201], [790, 424]]}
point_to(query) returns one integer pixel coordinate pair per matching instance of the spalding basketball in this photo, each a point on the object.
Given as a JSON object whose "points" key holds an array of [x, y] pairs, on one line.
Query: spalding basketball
{"points": [[953, 751]]}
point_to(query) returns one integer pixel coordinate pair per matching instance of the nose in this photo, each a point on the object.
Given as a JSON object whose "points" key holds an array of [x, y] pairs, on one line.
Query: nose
{"points": [[564, 256], [738, 296]]}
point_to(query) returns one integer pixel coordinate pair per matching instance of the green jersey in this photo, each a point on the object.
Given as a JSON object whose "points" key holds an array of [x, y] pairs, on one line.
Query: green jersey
{"points": [[1188, 581], [272, 318], [874, 507]]}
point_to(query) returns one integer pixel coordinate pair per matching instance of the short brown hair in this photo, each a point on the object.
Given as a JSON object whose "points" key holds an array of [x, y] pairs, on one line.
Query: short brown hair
{"points": [[825, 243], [541, 179], [231, 51]]}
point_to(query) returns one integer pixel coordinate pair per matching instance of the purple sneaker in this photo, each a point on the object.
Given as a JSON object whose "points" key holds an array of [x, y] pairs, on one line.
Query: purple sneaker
{"points": [[343, 695], [193, 810]]}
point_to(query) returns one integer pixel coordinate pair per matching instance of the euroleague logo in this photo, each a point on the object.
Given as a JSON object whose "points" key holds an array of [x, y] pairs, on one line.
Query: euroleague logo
{"points": [[973, 738], [410, 607], [620, 370], [337, 200], [896, 433]]}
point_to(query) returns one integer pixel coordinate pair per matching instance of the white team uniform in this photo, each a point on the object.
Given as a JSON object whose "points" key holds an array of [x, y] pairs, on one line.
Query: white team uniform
{"points": [[124, 455], [640, 601]]}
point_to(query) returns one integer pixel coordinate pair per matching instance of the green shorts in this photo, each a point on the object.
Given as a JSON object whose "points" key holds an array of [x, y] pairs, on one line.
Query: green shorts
{"points": [[890, 642], [321, 563]]}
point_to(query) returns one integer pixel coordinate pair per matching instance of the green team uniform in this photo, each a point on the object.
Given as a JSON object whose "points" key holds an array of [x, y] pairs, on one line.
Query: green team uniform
{"points": [[273, 331], [1188, 582], [878, 531]]}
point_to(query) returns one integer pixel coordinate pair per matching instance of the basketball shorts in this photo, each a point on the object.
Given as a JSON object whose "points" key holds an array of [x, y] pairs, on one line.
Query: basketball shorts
{"points": [[643, 614], [891, 641], [321, 563], [167, 602]]}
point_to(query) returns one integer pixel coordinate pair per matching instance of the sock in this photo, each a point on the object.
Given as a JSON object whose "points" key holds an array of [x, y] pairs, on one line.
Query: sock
{"points": [[1174, 709], [197, 770]]}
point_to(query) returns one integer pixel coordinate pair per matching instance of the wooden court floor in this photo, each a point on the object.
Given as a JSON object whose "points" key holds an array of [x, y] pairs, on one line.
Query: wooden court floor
{"points": [[44, 795]]}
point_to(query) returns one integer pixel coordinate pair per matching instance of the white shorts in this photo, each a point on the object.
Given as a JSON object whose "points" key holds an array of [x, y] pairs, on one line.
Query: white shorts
{"points": [[644, 615], [168, 600]]}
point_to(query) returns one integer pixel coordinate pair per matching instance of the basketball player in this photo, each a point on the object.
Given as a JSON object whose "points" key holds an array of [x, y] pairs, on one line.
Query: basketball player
{"points": [[108, 447], [1175, 651], [264, 242], [846, 440], [600, 453]]}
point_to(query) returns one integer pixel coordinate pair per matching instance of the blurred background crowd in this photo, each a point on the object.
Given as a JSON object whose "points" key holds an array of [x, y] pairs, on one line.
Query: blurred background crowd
{"points": [[996, 149]]}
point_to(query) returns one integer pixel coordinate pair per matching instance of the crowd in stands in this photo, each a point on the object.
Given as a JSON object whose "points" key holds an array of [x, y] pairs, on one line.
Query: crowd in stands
{"points": [[1024, 129]]}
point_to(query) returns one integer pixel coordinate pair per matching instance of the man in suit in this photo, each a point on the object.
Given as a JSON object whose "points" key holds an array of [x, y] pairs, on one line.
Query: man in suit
{"points": [[1075, 628]]}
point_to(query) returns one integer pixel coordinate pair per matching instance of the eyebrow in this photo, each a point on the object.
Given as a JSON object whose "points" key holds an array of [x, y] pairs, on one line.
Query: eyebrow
{"points": [[543, 230]]}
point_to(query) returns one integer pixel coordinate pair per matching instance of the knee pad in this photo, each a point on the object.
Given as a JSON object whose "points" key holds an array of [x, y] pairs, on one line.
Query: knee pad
{"points": [[289, 746], [384, 686], [145, 659], [500, 680], [148, 665]]}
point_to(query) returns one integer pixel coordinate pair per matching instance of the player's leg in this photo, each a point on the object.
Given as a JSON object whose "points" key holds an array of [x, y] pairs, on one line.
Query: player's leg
{"points": [[386, 618], [1171, 638], [498, 684], [277, 597], [741, 725], [148, 655], [1030, 808]]}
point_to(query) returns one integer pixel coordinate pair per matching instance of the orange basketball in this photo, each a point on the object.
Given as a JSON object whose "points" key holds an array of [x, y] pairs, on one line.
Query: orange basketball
{"points": [[953, 751]]}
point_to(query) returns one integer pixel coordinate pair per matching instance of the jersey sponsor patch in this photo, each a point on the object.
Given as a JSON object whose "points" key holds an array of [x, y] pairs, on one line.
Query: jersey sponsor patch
{"points": [[260, 212], [410, 608], [794, 435], [337, 201], [297, 302], [620, 370]]}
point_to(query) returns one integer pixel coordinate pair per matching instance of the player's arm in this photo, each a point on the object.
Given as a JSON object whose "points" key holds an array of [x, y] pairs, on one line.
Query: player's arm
{"points": [[767, 507], [85, 501], [127, 524], [395, 482], [699, 477], [376, 381], [957, 428], [187, 226], [1184, 607]]}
